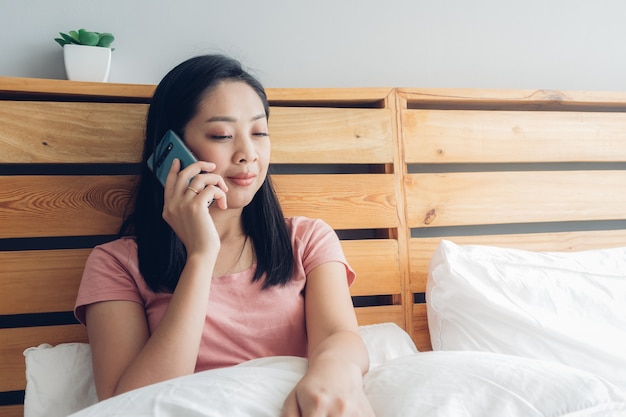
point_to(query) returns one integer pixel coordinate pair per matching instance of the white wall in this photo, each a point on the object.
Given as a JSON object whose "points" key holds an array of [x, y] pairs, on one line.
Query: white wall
{"points": [[550, 44]]}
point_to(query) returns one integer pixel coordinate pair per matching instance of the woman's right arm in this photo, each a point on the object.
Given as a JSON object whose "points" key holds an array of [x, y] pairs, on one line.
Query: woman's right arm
{"points": [[125, 355]]}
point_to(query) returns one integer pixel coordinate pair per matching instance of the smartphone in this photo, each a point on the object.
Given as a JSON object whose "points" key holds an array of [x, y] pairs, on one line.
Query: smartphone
{"points": [[170, 147]]}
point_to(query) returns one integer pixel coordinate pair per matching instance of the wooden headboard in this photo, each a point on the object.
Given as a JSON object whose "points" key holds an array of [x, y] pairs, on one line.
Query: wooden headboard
{"points": [[535, 170], [392, 170]]}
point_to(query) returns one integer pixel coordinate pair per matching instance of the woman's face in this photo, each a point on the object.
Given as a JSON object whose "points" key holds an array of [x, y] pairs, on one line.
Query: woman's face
{"points": [[230, 129]]}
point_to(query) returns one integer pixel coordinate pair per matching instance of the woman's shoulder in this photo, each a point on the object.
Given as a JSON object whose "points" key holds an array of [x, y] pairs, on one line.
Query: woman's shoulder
{"points": [[124, 249], [115, 263], [306, 229], [122, 243], [305, 223]]}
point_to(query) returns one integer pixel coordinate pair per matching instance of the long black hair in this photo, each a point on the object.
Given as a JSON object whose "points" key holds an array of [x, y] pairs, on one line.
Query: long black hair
{"points": [[161, 253]]}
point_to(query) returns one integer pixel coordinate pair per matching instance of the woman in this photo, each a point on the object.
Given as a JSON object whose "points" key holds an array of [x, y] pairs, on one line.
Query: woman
{"points": [[192, 285]]}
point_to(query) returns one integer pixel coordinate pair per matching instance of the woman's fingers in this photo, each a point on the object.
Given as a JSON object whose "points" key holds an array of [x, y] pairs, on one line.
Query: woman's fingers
{"points": [[210, 188], [290, 406], [209, 193], [196, 180]]}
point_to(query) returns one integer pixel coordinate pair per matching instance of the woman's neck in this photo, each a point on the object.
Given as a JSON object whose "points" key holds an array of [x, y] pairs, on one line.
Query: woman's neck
{"points": [[229, 226]]}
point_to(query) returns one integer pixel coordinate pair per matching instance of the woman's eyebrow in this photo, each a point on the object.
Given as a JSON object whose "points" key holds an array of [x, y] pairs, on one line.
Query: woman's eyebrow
{"points": [[232, 119], [221, 119]]}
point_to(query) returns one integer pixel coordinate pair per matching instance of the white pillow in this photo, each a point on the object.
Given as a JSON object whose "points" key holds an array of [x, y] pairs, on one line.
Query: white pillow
{"points": [[563, 307], [59, 380], [386, 341], [485, 384]]}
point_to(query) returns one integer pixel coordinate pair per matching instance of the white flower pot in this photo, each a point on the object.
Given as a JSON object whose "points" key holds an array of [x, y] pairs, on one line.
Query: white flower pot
{"points": [[87, 63]]}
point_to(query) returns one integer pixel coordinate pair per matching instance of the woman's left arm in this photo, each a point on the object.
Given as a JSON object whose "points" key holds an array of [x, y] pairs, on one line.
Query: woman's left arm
{"points": [[338, 358]]}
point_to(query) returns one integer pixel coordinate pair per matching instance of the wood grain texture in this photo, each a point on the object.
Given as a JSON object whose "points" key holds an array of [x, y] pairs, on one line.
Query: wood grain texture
{"points": [[536, 100], [331, 135], [67, 88], [62, 205], [474, 198], [377, 267], [56, 132], [419, 331], [422, 249], [40, 281], [47, 132], [465, 136], [328, 97], [345, 201], [12, 411], [47, 280], [381, 314], [13, 342]]}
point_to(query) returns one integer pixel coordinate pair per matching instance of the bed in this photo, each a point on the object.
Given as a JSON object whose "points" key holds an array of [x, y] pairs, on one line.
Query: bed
{"points": [[487, 229]]}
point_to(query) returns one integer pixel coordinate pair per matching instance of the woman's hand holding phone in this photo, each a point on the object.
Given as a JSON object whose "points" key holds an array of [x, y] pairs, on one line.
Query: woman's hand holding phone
{"points": [[187, 195]]}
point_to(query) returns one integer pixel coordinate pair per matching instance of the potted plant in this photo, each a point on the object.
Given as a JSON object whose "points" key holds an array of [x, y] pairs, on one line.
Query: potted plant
{"points": [[87, 55]]}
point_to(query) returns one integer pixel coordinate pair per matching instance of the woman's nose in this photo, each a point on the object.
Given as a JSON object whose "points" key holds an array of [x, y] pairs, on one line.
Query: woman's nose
{"points": [[246, 151]]}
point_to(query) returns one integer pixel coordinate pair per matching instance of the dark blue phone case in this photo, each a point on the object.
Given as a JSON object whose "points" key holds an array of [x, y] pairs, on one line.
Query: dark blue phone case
{"points": [[170, 147]]}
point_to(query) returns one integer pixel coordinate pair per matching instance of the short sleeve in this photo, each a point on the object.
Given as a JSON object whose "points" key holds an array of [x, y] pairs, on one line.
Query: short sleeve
{"points": [[315, 243], [109, 275]]}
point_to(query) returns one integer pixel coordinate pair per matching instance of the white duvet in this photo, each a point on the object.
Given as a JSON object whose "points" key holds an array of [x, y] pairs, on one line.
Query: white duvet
{"points": [[515, 333], [450, 383]]}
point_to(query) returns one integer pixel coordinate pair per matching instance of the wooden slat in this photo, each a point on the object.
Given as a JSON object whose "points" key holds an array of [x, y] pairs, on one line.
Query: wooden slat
{"points": [[12, 411], [145, 91], [48, 280], [56, 132], [322, 135], [13, 342], [420, 332], [74, 88], [449, 136], [59, 132], [345, 201], [328, 96], [381, 314], [40, 281], [422, 248], [529, 99], [510, 197], [62, 205], [376, 265]]}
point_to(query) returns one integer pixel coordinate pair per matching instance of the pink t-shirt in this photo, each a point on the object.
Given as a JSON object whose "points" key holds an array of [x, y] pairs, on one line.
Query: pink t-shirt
{"points": [[243, 321]]}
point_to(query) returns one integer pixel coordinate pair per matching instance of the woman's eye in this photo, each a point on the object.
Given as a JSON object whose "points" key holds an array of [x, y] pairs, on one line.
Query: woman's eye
{"points": [[260, 134], [220, 137]]}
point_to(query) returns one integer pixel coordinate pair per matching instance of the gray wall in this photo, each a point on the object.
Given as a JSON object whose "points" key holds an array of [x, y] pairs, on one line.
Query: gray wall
{"points": [[536, 44]]}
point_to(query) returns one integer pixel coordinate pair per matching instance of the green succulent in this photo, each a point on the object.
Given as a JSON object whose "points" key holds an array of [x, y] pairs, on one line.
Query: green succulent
{"points": [[84, 37]]}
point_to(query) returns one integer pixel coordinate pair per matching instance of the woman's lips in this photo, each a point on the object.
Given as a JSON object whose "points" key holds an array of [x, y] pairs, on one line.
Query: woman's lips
{"points": [[243, 180]]}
